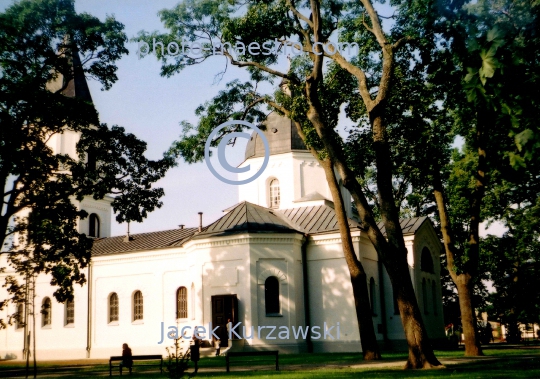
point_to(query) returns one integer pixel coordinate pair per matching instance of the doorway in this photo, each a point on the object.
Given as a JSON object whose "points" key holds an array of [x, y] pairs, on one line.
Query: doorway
{"points": [[224, 307]]}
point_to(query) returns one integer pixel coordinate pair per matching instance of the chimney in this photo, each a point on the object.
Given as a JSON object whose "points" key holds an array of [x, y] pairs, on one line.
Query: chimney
{"points": [[181, 226], [200, 222], [128, 238]]}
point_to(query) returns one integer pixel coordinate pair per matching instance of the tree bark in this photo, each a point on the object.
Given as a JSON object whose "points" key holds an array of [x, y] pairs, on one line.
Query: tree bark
{"points": [[463, 276], [368, 339]]}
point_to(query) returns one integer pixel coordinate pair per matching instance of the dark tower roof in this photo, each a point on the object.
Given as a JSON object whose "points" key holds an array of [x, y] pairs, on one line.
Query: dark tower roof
{"points": [[282, 138], [77, 86]]}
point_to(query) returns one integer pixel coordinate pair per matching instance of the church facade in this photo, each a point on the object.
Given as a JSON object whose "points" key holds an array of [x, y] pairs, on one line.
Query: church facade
{"points": [[272, 266]]}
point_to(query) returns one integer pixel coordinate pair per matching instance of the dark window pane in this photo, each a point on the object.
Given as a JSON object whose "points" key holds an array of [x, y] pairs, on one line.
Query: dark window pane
{"points": [[271, 295]]}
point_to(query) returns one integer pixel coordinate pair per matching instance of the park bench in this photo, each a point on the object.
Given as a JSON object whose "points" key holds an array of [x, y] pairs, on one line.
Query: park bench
{"points": [[252, 354], [138, 358]]}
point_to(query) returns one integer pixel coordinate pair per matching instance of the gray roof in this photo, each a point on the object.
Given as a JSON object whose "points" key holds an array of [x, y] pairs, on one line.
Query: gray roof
{"points": [[77, 86], [315, 219], [244, 217], [282, 137], [408, 225], [142, 241], [247, 217], [311, 197]]}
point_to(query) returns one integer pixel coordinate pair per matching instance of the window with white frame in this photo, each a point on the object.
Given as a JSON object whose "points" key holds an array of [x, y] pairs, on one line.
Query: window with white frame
{"points": [[137, 306], [46, 312], [70, 312], [113, 307], [181, 303], [274, 193]]}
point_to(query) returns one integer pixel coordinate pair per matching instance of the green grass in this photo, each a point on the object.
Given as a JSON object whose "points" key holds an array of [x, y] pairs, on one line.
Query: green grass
{"points": [[498, 363]]}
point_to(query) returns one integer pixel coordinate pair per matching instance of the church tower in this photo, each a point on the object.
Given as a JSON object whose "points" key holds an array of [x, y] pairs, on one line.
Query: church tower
{"points": [[98, 223], [293, 177]]}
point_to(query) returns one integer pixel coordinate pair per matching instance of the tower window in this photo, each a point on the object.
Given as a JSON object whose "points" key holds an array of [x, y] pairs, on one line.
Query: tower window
{"points": [[70, 312], [181, 303], [137, 306], [94, 226], [274, 193], [46, 312], [113, 307], [426, 262], [271, 295]]}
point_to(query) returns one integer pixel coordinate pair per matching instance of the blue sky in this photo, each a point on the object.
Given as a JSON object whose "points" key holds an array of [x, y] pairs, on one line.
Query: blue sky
{"points": [[151, 107]]}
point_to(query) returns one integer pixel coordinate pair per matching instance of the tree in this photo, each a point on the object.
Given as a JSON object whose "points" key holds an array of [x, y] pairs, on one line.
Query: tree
{"points": [[41, 45], [310, 26], [487, 49]]}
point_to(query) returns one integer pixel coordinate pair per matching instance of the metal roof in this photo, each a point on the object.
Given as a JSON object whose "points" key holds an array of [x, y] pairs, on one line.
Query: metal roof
{"points": [[142, 241], [281, 134], [247, 217], [314, 219], [244, 217], [408, 225]]}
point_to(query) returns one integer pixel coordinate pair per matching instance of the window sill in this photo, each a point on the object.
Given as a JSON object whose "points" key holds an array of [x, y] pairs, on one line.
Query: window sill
{"points": [[49, 326], [113, 323], [71, 325], [274, 315], [138, 322]]}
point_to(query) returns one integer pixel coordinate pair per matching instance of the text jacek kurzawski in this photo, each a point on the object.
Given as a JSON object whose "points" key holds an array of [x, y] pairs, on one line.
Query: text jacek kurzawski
{"points": [[238, 332]]}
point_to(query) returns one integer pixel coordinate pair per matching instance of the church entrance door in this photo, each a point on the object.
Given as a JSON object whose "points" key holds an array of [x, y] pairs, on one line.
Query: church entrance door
{"points": [[224, 308]]}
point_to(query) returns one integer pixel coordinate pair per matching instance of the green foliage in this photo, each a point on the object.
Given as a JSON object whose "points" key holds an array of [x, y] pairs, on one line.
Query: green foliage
{"points": [[177, 361], [40, 43]]}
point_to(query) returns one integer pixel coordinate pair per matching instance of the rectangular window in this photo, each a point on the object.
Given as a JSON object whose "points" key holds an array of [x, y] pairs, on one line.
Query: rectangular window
{"points": [[70, 312]]}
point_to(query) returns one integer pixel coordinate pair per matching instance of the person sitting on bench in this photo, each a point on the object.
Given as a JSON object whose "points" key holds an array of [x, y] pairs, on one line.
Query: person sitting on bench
{"points": [[127, 361]]}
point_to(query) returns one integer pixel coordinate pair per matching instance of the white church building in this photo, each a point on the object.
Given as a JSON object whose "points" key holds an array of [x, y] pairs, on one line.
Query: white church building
{"points": [[274, 259]]}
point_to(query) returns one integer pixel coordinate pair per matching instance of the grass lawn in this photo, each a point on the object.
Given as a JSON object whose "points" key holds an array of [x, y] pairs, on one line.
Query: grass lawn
{"points": [[498, 363]]}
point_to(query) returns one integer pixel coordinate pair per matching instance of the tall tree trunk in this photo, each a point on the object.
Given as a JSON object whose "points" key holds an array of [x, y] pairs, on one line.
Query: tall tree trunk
{"points": [[368, 339], [463, 280], [468, 317], [392, 252]]}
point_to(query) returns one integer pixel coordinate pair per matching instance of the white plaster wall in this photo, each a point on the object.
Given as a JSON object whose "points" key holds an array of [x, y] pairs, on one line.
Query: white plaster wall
{"points": [[330, 294], [279, 257]]}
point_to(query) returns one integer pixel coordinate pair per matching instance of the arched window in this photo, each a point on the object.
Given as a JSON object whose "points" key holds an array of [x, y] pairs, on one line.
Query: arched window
{"points": [[93, 231], [426, 262], [113, 307], [70, 312], [274, 193], [425, 296], [137, 306], [46, 312], [181, 303], [19, 316], [271, 295], [372, 295], [434, 297]]}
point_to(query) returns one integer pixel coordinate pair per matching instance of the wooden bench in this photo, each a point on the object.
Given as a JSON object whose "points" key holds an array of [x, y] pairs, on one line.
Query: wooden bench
{"points": [[252, 354], [138, 358]]}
